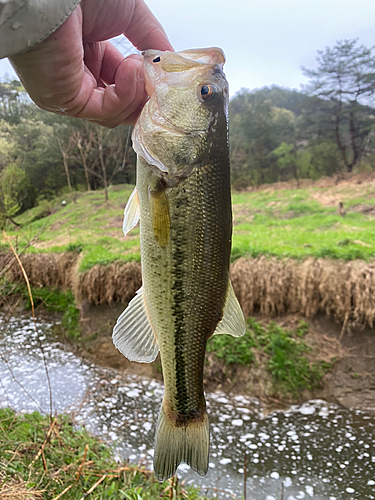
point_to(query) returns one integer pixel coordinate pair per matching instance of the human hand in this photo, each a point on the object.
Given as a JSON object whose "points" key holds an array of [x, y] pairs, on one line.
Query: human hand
{"points": [[74, 72]]}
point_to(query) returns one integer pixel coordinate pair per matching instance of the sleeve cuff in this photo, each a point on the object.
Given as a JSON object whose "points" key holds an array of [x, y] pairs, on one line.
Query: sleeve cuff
{"points": [[25, 23]]}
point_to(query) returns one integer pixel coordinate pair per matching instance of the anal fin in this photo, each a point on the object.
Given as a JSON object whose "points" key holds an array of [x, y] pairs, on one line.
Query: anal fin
{"points": [[233, 321], [133, 334]]}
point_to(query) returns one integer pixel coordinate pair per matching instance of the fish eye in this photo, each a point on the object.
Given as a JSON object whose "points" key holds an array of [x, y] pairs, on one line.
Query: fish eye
{"points": [[208, 91], [157, 59]]}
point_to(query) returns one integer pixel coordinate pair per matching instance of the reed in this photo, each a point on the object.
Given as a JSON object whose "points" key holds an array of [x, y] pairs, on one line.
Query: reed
{"points": [[273, 287]]}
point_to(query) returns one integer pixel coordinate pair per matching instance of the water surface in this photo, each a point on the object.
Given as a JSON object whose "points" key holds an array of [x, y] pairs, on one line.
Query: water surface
{"points": [[318, 450]]}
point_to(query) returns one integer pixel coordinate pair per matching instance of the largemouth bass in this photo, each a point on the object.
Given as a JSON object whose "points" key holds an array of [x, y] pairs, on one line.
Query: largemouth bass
{"points": [[182, 199]]}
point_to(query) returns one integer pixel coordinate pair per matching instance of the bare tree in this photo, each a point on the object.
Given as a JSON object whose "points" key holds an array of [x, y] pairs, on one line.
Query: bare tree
{"points": [[111, 150], [84, 144], [65, 148]]}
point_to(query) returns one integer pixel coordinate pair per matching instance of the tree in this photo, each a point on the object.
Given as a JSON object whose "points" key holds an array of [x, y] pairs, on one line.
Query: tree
{"points": [[257, 128], [65, 147], [13, 185], [7, 144], [14, 102], [83, 142], [112, 149], [345, 82], [286, 155]]}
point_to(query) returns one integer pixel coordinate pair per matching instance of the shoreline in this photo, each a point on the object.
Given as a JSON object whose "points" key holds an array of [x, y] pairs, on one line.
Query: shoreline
{"points": [[349, 383], [325, 294]]}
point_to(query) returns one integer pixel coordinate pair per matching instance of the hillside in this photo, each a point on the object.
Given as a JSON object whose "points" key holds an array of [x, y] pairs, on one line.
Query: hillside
{"points": [[275, 220]]}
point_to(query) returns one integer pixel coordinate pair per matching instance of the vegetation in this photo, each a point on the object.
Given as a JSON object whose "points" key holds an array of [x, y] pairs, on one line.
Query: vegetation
{"points": [[85, 225], [230, 352], [285, 351], [344, 80], [275, 134], [54, 300], [278, 134], [291, 371], [300, 223], [295, 223], [44, 459], [51, 299]]}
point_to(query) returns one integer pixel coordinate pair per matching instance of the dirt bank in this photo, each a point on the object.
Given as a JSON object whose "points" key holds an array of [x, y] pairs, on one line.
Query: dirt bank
{"points": [[336, 182], [351, 382]]}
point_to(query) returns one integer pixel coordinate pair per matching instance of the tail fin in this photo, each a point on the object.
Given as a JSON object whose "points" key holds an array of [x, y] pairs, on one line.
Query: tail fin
{"points": [[174, 444]]}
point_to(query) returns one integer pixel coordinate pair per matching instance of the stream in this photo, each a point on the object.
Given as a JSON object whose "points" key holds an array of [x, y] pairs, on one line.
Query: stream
{"points": [[316, 450]]}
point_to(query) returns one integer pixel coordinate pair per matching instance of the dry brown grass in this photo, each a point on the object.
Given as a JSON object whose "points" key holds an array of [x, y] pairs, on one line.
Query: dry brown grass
{"points": [[273, 287], [46, 269], [101, 284], [17, 490], [116, 282], [269, 286]]}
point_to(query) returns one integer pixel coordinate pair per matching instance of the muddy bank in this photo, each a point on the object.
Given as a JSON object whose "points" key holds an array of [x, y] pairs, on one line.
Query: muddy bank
{"points": [[351, 382]]}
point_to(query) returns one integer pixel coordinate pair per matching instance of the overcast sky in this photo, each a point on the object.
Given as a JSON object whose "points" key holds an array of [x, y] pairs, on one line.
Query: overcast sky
{"points": [[265, 41]]}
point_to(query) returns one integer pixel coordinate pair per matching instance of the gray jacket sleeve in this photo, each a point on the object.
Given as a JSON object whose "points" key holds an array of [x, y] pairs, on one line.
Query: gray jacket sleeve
{"points": [[25, 23]]}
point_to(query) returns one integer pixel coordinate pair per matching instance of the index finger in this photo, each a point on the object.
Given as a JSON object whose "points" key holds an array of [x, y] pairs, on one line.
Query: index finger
{"points": [[145, 31]]}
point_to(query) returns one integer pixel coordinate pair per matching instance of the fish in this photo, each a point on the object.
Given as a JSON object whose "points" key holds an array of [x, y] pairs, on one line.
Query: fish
{"points": [[182, 200]]}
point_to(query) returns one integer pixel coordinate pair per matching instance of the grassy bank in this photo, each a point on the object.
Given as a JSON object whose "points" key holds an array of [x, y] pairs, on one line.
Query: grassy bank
{"points": [[304, 223], [296, 223], [290, 364], [50, 300], [41, 460]]}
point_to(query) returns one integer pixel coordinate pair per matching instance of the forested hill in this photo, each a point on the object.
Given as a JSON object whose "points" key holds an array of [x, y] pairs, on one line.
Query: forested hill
{"points": [[292, 100], [277, 134]]}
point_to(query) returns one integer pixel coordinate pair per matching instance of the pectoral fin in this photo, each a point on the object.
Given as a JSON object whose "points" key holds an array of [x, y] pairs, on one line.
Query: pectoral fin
{"points": [[233, 321], [133, 334], [159, 211], [132, 212]]}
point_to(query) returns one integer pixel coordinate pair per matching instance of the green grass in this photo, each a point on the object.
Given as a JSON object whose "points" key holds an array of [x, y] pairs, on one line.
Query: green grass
{"points": [[295, 223], [291, 371], [292, 223], [87, 224], [284, 350], [98, 254], [233, 351], [52, 300], [22, 436]]}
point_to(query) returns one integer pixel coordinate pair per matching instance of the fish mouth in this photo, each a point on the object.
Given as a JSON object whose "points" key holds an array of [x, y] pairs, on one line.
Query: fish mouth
{"points": [[164, 66], [212, 55]]}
